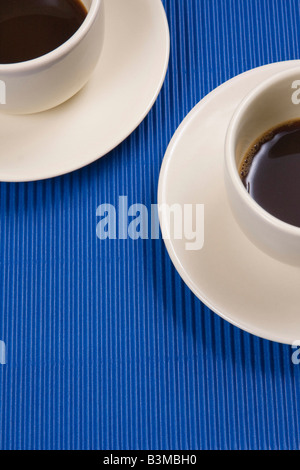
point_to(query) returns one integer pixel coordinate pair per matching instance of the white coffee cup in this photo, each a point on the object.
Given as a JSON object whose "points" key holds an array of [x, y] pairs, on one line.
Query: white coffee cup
{"points": [[47, 81], [271, 103]]}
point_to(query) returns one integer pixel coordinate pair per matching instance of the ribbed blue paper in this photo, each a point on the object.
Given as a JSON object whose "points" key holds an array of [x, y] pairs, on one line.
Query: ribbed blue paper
{"points": [[106, 347]]}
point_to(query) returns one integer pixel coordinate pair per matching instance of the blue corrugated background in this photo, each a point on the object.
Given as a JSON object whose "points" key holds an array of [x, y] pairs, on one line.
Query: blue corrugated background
{"points": [[106, 347]]}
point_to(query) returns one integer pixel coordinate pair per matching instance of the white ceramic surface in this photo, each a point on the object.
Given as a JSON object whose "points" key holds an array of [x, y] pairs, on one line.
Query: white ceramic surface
{"points": [[268, 105], [47, 81], [238, 281], [120, 93]]}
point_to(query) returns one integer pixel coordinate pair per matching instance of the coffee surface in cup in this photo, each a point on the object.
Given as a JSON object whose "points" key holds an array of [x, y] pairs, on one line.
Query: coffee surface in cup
{"points": [[270, 171], [32, 28]]}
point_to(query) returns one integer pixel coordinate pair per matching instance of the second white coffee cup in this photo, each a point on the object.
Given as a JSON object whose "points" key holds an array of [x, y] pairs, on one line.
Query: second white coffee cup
{"points": [[275, 101], [49, 80]]}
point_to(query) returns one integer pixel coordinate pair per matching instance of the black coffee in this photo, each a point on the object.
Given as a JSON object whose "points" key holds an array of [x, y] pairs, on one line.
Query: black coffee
{"points": [[270, 172], [32, 28]]}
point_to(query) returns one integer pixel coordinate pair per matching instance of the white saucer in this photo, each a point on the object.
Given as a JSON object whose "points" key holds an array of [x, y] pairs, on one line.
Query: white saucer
{"points": [[120, 94], [230, 275]]}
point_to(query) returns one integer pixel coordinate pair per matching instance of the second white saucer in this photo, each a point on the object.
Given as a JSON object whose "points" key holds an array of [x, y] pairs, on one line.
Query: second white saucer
{"points": [[120, 94], [230, 275]]}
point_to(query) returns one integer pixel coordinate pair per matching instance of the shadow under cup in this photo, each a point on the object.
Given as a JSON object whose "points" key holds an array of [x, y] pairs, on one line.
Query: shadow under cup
{"points": [[274, 102]]}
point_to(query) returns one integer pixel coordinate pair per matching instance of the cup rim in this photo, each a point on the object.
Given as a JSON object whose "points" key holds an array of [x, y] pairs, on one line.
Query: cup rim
{"points": [[230, 153], [62, 50]]}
